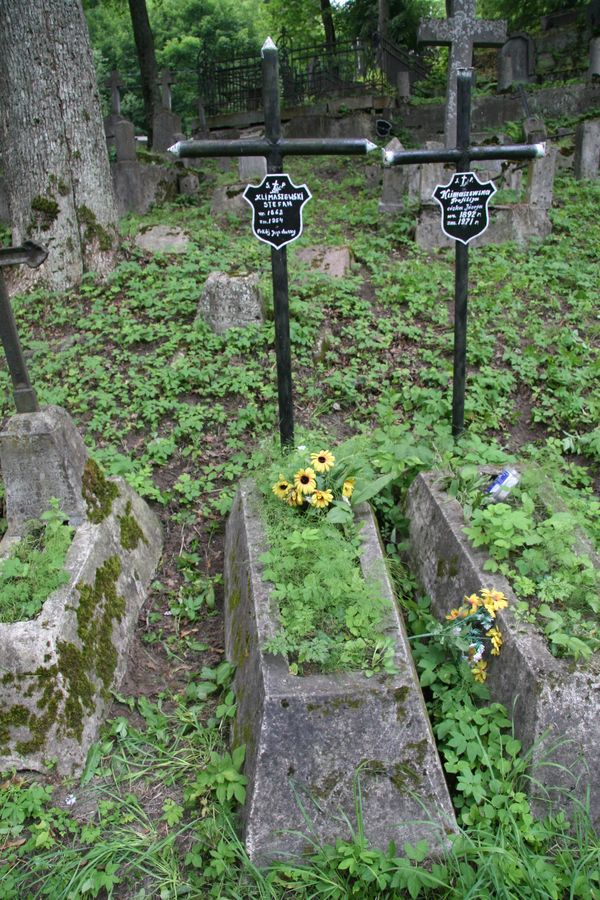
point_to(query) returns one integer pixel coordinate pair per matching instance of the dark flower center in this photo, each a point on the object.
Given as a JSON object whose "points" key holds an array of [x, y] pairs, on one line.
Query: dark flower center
{"points": [[304, 479]]}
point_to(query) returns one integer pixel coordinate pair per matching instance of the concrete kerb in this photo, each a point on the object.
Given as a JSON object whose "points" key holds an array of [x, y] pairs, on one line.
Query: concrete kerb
{"points": [[307, 737], [554, 702]]}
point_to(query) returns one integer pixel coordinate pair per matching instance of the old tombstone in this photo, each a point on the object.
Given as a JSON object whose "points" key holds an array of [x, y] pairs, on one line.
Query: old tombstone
{"points": [[57, 669], [461, 156], [395, 184], [461, 31], [516, 61], [124, 138], [593, 73], [166, 125], [587, 150], [252, 167], [274, 148], [231, 301], [114, 84], [308, 738]]}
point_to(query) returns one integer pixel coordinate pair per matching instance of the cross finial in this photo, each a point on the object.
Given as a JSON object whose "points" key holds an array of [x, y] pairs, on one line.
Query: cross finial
{"points": [[166, 80], [114, 83]]}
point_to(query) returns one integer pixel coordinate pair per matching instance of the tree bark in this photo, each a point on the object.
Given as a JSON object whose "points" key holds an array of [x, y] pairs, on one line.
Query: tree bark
{"points": [[52, 140], [144, 44], [327, 18]]}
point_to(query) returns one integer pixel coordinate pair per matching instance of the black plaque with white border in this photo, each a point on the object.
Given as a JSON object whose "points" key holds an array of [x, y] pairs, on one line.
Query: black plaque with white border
{"points": [[277, 209], [464, 204]]}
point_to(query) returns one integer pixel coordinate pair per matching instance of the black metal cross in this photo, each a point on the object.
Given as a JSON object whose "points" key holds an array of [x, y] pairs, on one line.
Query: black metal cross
{"points": [[33, 255], [461, 156], [274, 147]]}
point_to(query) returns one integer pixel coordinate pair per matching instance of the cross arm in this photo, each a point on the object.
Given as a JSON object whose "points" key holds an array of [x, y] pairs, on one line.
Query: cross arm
{"points": [[283, 147], [439, 32], [454, 155]]}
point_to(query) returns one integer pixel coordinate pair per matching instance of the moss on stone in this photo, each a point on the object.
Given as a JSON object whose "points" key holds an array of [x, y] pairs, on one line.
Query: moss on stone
{"points": [[98, 492], [93, 229], [130, 531]]}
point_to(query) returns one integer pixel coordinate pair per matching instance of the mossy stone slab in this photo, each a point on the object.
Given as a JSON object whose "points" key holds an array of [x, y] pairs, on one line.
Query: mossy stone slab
{"points": [[309, 740]]}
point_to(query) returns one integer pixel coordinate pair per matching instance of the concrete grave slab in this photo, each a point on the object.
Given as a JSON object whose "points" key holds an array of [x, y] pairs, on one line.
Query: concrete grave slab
{"points": [[555, 703], [333, 261], [229, 199], [307, 737], [57, 670], [163, 239]]}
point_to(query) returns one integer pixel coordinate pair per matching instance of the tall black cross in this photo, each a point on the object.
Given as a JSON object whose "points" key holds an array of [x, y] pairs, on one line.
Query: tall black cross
{"points": [[34, 255], [461, 31], [274, 147], [461, 156]]}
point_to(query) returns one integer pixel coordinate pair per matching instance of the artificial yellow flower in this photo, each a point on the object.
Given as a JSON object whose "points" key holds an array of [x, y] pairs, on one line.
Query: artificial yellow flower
{"points": [[496, 637], [475, 602], [321, 499], [348, 487], [454, 614], [323, 460], [493, 601], [479, 671], [305, 480], [281, 488]]}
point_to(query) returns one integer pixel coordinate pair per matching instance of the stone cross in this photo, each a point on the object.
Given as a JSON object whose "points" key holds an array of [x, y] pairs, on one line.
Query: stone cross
{"points": [[461, 31], [274, 147], [33, 255], [115, 84], [166, 80]]}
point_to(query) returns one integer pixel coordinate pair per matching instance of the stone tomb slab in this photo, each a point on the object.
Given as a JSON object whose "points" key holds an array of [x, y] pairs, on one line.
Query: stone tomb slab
{"points": [[231, 301], [307, 737], [333, 261], [555, 703], [57, 670]]}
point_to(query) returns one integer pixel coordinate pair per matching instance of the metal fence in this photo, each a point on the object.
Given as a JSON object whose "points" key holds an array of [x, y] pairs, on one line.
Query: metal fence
{"points": [[306, 74]]}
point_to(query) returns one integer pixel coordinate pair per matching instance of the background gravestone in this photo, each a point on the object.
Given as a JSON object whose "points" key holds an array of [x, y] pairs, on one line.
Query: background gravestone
{"points": [[231, 301], [516, 61], [166, 126], [251, 167], [587, 149]]}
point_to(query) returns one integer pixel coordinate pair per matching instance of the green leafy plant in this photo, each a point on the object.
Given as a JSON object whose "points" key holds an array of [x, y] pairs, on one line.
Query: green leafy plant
{"points": [[35, 566]]}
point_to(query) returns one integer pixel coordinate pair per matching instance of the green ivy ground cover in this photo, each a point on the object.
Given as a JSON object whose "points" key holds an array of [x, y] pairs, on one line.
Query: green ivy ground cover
{"points": [[178, 411]]}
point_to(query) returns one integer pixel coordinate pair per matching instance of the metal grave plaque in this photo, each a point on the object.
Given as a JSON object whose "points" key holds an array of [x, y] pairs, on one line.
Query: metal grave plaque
{"points": [[277, 209], [464, 204]]}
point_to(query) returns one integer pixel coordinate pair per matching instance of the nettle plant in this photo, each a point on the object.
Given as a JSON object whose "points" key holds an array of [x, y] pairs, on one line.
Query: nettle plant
{"points": [[331, 618]]}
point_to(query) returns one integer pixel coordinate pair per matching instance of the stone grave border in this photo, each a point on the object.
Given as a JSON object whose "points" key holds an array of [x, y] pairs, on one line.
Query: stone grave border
{"points": [[306, 736], [554, 702]]}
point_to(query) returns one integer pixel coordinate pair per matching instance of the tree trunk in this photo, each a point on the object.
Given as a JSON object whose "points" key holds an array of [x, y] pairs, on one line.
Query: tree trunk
{"points": [[52, 139], [144, 43], [327, 17]]}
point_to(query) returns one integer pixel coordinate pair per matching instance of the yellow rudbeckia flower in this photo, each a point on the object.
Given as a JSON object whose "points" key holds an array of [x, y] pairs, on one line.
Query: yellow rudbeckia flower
{"points": [[479, 671], [305, 480], [323, 460], [348, 487], [281, 488], [321, 499]]}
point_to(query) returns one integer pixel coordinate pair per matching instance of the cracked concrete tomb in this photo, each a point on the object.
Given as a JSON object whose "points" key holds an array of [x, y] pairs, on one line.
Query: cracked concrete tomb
{"points": [[57, 670], [309, 739], [555, 703]]}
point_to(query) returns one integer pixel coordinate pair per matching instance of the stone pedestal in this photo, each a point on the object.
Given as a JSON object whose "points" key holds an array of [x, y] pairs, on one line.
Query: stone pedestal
{"points": [[308, 738], [594, 67], [43, 456]]}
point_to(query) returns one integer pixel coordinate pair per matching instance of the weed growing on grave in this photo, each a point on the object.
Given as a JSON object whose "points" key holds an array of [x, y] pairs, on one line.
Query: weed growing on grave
{"points": [[35, 566], [330, 616]]}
